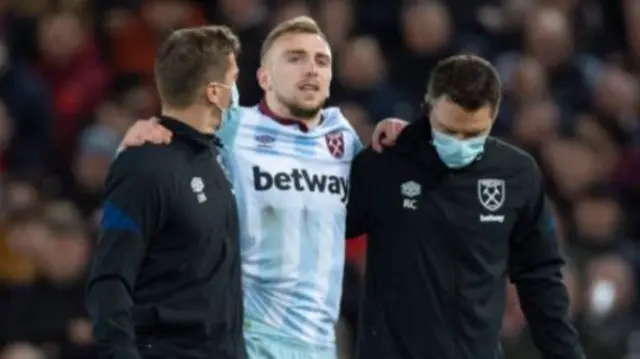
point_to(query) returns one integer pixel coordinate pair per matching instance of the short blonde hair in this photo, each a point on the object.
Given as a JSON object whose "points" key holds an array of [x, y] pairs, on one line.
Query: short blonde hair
{"points": [[296, 25]]}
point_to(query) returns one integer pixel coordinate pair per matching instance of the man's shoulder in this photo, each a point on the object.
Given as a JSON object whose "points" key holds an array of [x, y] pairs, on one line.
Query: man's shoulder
{"points": [[336, 124], [249, 113], [333, 117], [152, 160], [510, 156], [368, 157]]}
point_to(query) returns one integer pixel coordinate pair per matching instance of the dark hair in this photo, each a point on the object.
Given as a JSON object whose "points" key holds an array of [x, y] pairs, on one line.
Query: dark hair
{"points": [[469, 81], [191, 58]]}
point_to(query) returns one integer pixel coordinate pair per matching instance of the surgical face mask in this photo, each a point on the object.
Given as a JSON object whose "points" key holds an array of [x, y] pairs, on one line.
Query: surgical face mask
{"points": [[233, 105], [456, 153], [235, 96], [234, 102]]}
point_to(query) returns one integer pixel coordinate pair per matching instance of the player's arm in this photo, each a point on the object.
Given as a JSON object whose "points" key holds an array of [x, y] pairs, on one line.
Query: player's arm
{"points": [[535, 267], [150, 131], [386, 133], [134, 209], [358, 204]]}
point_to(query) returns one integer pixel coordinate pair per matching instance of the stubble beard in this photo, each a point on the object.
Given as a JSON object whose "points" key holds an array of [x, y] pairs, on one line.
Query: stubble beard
{"points": [[303, 113]]}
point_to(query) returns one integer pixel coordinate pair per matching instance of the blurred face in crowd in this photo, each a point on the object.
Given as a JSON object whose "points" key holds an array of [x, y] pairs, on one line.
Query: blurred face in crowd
{"points": [[20, 195], [290, 10], [449, 118], [166, 15], [590, 131], [548, 37], [29, 239], [60, 38], [90, 170], [336, 17], [139, 101], [536, 123], [616, 94], [297, 72], [236, 11], [361, 64], [426, 27], [528, 82], [22, 351], [67, 255], [597, 221], [571, 165]]}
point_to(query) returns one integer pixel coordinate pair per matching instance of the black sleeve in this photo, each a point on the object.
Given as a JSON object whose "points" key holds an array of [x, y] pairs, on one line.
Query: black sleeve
{"points": [[535, 265], [358, 204], [133, 211]]}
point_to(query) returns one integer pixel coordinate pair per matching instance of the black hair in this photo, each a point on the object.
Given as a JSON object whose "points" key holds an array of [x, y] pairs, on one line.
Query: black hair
{"points": [[469, 81]]}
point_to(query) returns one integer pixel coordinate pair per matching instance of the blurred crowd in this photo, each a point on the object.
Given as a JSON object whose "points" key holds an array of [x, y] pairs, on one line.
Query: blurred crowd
{"points": [[75, 74]]}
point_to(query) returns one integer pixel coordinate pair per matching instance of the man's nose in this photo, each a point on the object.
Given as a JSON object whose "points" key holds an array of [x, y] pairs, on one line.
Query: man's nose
{"points": [[311, 68]]}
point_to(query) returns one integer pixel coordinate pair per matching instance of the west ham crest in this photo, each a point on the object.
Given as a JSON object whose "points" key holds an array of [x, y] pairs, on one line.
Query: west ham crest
{"points": [[335, 144], [491, 193]]}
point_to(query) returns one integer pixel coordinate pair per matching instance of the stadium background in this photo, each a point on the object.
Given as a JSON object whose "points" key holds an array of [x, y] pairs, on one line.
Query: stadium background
{"points": [[74, 74]]}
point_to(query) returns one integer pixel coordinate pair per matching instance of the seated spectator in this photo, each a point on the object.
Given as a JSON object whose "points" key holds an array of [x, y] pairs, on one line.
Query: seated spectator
{"points": [[50, 312]]}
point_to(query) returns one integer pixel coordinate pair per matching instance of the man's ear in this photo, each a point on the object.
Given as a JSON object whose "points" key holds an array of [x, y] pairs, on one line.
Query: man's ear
{"points": [[263, 79], [212, 93]]}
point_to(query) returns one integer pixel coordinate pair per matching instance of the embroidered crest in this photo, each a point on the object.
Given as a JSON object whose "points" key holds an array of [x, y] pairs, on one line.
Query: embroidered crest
{"points": [[335, 144], [491, 193]]}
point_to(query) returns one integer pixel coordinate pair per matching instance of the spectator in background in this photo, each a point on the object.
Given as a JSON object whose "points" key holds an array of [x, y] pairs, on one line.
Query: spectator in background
{"points": [[25, 116], [338, 19], [428, 37], [609, 295], [23, 351], [548, 39], [130, 97], [70, 65], [49, 312], [97, 147], [362, 79], [135, 30]]}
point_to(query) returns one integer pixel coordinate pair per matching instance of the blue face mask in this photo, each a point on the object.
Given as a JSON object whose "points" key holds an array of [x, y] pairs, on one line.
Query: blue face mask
{"points": [[235, 96], [228, 112], [456, 153]]}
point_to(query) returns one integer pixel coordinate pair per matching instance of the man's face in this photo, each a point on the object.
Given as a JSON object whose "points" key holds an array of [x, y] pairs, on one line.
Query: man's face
{"points": [[448, 118], [219, 94], [298, 71]]}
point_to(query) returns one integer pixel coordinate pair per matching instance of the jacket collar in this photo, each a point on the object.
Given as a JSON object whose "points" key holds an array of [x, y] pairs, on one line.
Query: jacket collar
{"points": [[189, 135]]}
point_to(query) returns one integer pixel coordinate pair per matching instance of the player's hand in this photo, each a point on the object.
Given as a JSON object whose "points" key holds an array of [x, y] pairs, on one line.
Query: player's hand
{"points": [[144, 131], [386, 133]]}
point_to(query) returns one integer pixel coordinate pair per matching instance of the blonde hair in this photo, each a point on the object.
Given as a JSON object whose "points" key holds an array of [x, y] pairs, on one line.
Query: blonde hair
{"points": [[296, 25]]}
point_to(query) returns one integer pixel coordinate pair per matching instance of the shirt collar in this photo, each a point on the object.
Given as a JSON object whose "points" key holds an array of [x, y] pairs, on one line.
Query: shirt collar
{"points": [[265, 110]]}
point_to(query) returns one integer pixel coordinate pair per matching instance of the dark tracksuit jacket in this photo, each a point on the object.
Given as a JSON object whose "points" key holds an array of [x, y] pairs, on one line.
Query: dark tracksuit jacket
{"points": [[165, 276], [442, 244]]}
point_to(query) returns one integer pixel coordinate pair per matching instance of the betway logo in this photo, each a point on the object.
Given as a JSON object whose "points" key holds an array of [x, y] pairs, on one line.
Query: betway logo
{"points": [[300, 180]]}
